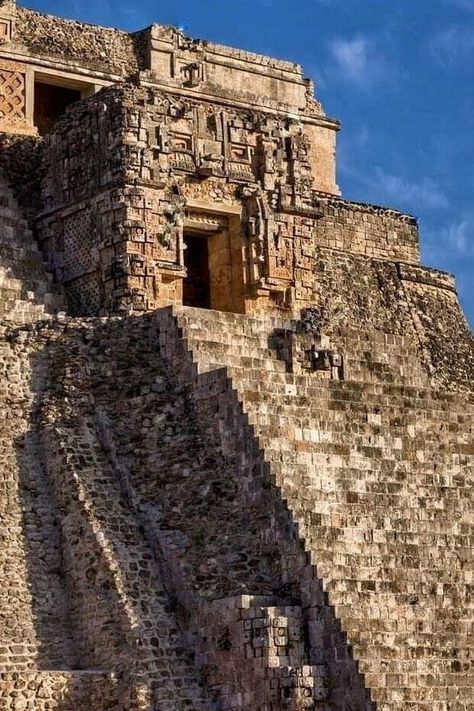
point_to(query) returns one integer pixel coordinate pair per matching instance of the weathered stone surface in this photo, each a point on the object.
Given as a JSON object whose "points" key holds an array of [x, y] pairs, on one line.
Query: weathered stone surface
{"points": [[262, 505], [26, 288], [377, 474]]}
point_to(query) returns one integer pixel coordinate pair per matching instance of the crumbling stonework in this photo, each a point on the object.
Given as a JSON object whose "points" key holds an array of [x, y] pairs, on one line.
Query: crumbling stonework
{"points": [[260, 504]]}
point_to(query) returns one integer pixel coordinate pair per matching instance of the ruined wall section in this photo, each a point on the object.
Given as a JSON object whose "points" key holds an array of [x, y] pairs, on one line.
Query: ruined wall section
{"points": [[444, 334], [38, 654], [97, 48], [376, 232], [21, 162], [67, 691], [35, 629], [391, 320], [27, 292], [87, 563]]}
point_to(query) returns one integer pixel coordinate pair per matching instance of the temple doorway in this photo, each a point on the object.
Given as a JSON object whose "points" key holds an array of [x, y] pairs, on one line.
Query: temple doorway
{"points": [[213, 260], [197, 284], [50, 103], [52, 94]]}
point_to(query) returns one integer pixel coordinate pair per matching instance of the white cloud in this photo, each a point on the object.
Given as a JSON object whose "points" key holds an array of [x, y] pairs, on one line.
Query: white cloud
{"points": [[357, 60], [415, 195], [460, 236], [451, 244], [453, 45]]}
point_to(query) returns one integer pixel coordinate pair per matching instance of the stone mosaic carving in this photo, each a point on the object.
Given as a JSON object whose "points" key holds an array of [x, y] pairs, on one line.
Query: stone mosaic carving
{"points": [[12, 97]]}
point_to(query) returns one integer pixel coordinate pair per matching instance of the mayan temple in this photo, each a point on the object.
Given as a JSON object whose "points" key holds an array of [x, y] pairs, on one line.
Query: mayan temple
{"points": [[236, 412]]}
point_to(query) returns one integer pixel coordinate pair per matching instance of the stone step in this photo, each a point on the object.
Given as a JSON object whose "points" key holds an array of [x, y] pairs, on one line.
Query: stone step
{"points": [[215, 321], [11, 288], [10, 255], [217, 348], [23, 275]]}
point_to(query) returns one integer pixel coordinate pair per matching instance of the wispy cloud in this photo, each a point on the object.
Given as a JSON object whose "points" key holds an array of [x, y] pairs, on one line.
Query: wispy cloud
{"points": [[453, 45], [462, 4], [411, 192], [420, 194], [450, 244], [460, 235], [357, 60]]}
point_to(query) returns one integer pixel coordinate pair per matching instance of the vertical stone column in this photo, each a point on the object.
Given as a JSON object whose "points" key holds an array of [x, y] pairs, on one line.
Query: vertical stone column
{"points": [[16, 81]]}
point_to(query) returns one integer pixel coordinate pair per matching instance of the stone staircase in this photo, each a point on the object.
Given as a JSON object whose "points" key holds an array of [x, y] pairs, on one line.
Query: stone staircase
{"points": [[207, 530], [121, 600], [37, 649], [173, 483], [374, 474], [26, 288]]}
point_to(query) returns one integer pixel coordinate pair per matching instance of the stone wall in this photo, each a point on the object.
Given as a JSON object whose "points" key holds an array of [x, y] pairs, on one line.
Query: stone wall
{"points": [[373, 231], [425, 335], [34, 619], [85, 589], [58, 691], [97, 48], [21, 162]]}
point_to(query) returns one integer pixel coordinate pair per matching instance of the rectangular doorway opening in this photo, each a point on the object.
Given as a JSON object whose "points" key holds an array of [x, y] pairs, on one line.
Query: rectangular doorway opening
{"points": [[213, 262], [197, 284], [50, 102]]}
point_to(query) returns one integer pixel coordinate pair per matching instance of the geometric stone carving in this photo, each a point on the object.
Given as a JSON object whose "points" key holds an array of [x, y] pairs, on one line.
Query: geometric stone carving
{"points": [[12, 96]]}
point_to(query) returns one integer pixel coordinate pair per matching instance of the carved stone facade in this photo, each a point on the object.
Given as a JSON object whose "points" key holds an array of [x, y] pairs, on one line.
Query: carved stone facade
{"points": [[243, 178]]}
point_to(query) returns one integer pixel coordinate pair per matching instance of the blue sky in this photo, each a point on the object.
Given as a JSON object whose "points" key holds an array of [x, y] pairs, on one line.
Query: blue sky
{"points": [[399, 74]]}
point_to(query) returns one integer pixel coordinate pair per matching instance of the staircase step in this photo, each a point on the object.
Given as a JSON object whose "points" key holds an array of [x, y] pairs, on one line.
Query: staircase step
{"points": [[25, 285]]}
